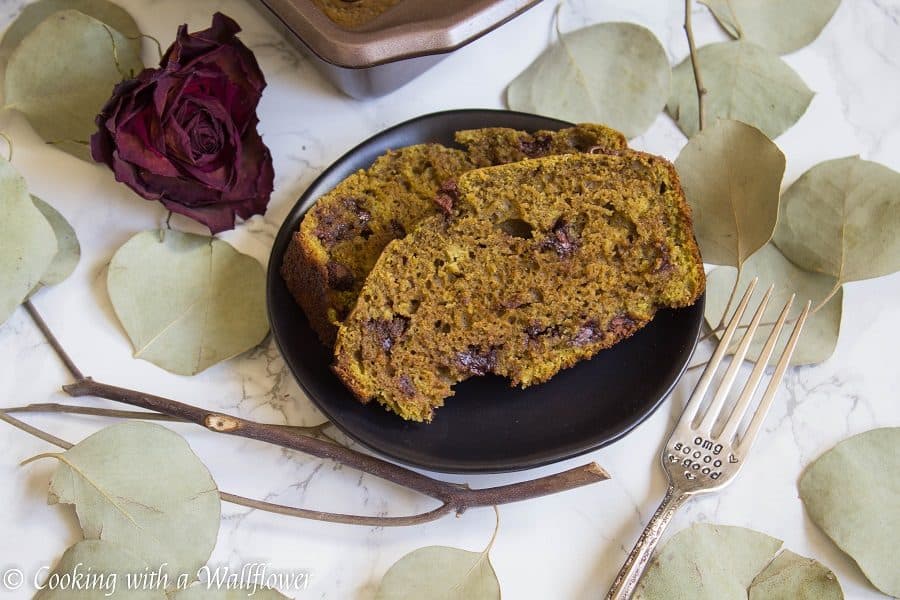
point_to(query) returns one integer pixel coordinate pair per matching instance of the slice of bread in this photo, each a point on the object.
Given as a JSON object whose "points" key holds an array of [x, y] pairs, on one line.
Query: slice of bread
{"points": [[535, 266], [344, 233]]}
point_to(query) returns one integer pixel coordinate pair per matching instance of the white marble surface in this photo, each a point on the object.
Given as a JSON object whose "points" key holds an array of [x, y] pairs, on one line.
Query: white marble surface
{"points": [[568, 546]]}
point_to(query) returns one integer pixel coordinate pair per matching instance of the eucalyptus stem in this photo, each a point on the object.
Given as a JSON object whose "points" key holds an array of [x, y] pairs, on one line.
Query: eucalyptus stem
{"points": [[453, 497], [9, 144], [262, 504], [73, 369], [695, 64], [459, 496], [38, 433], [96, 411], [731, 296]]}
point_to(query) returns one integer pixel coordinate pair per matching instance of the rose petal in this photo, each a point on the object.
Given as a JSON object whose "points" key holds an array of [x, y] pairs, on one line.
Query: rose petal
{"points": [[188, 46], [218, 217]]}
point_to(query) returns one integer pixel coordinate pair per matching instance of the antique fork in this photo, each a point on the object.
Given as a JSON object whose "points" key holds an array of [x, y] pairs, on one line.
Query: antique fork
{"points": [[700, 458]]}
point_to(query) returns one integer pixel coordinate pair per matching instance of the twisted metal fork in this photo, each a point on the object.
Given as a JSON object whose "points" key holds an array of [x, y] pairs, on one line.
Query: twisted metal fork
{"points": [[698, 460]]}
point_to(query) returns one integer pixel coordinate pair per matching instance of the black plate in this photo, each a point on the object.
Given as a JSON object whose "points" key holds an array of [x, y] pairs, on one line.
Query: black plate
{"points": [[487, 426]]}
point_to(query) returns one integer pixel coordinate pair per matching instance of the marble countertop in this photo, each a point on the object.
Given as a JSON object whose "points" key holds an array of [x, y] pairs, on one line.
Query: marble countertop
{"points": [[567, 546]]}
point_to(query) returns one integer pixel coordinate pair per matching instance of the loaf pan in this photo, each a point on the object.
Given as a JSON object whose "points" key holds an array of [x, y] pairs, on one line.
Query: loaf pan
{"points": [[393, 48]]}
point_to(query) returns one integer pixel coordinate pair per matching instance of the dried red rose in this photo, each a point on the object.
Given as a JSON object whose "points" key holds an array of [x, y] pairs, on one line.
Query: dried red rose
{"points": [[185, 133]]}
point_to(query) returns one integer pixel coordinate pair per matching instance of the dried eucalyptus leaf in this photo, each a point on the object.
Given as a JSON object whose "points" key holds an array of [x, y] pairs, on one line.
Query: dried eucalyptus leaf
{"points": [[139, 485], [782, 26], [820, 333], [793, 577], [440, 573], [731, 174], [27, 241], [744, 82], [841, 218], [68, 250], [202, 591], [613, 73], [33, 14], [852, 493], [707, 562], [109, 565], [187, 301], [61, 92]]}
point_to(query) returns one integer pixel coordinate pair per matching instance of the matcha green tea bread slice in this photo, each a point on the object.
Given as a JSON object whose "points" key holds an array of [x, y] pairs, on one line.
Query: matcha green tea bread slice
{"points": [[534, 266], [344, 233]]}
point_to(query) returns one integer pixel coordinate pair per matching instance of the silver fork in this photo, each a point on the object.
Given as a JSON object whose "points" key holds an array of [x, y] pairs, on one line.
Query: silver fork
{"points": [[698, 460]]}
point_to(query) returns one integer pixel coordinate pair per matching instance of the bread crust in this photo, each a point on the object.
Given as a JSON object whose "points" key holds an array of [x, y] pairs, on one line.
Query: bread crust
{"points": [[307, 280], [687, 216]]}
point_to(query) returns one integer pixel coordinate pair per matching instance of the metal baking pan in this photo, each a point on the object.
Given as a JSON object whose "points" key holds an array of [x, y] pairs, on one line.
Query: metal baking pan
{"points": [[392, 48]]}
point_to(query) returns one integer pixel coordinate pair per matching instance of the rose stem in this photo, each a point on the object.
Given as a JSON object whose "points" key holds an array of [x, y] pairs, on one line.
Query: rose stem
{"points": [[453, 497]]}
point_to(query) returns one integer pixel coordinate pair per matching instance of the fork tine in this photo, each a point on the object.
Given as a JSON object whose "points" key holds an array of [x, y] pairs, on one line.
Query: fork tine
{"points": [[743, 446], [690, 411], [740, 407], [715, 407]]}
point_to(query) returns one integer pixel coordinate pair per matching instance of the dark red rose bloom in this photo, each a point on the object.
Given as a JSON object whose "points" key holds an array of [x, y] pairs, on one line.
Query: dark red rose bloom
{"points": [[185, 133]]}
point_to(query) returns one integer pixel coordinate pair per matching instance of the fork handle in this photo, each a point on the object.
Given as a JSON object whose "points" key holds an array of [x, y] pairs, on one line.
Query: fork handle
{"points": [[630, 573]]}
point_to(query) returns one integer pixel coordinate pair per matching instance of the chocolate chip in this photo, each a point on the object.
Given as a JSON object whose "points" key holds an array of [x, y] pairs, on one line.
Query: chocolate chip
{"points": [[388, 331], [406, 385], [536, 145], [514, 301], [663, 264], [587, 333], [339, 276], [447, 195], [621, 325], [397, 228], [562, 238], [477, 361], [355, 206], [536, 331], [343, 221], [332, 228]]}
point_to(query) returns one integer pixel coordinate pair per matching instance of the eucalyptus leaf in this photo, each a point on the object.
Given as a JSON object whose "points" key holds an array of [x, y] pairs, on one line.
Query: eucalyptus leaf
{"points": [[744, 82], [36, 12], [820, 333], [793, 577], [104, 568], [203, 591], [441, 573], [613, 73], [141, 486], [707, 562], [187, 301], [852, 493], [841, 218], [61, 92], [68, 250], [731, 174], [782, 26], [27, 241]]}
